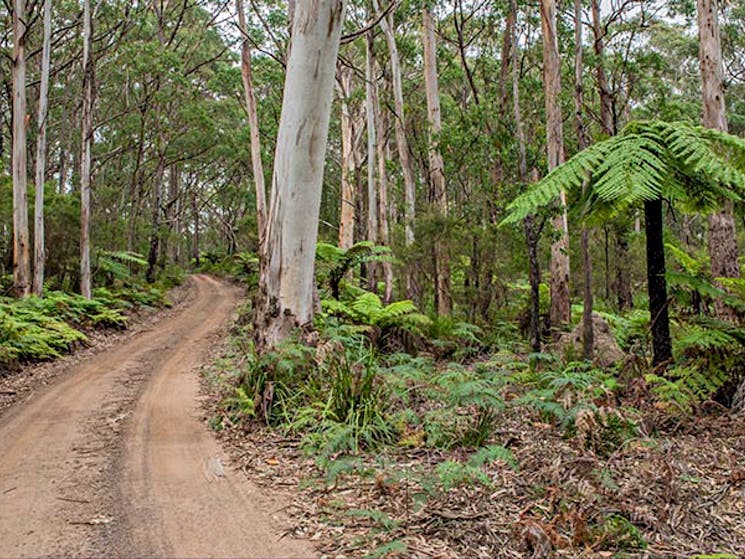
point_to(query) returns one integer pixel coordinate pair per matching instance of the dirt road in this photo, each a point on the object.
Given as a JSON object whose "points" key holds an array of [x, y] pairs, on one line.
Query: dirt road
{"points": [[114, 461]]}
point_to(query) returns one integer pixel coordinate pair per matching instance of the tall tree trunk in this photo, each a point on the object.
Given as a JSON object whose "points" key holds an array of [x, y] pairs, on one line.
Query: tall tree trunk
{"points": [[253, 124], [372, 142], [443, 302], [348, 163], [532, 233], [287, 283], [21, 264], [85, 156], [382, 210], [588, 338], [606, 102], [41, 152], [722, 233], [656, 283], [155, 210], [174, 221], [622, 282], [560, 311], [195, 218], [402, 144], [608, 122]]}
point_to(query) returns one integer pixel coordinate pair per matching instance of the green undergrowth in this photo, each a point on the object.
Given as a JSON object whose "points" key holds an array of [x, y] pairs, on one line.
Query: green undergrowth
{"points": [[382, 395], [40, 328]]}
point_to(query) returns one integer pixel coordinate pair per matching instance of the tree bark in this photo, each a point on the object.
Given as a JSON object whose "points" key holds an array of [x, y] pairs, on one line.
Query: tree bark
{"points": [[588, 331], [532, 234], [606, 102], [41, 152], [286, 287], [195, 253], [656, 283], [85, 156], [560, 311], [402, 144], [443, 302], [21, 263], [372, 199], [253, 124], [722, 231], [348, 162], [384, 235]]}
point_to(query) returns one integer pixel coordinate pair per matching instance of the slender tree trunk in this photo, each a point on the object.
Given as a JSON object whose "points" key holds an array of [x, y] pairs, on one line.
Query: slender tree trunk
{"points": [[722, 232], [560, 311], [41, 152], [156, 196], [195, 218], [287, 283], [443, 302], [348, 163], [606, 102], [253, 124], [656, 283], [532, 234], [174, 222], [382, 210], [21, 264], [588, 339], [85, 156], [621, 283], [372, 199], [508, 48], [402, 144]]}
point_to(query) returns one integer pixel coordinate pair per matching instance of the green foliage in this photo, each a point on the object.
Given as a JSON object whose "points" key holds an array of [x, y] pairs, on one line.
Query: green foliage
{"points": [[118, 266], [36, 328], [368, 309], [617, 532], [647, 160], [334, 263]]}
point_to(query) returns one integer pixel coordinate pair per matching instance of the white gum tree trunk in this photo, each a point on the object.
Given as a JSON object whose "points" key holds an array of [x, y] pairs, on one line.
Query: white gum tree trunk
{"points": [[41, 152], [85, 156], [287, 282], [349, 163], [372, 142], [443, 301], [402, 143], [21, 259], [253, 124]]}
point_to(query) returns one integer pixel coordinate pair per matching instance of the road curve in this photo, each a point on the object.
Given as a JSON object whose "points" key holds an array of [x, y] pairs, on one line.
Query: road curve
{"points": [[114, 461]]}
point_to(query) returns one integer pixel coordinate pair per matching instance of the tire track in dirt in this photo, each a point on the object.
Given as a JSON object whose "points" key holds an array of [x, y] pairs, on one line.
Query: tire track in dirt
{"points": [[113, 460]]}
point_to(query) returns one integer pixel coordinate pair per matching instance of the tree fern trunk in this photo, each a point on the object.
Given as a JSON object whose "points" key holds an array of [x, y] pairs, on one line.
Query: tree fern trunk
{"points": [[656, 283]]}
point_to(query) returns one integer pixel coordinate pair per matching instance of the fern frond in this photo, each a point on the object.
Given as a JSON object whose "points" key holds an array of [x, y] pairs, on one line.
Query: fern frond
{"points": [[646, 161]]}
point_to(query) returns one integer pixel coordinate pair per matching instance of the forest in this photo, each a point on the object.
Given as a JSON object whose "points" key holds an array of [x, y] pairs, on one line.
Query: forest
{"points": [[455, 278]]}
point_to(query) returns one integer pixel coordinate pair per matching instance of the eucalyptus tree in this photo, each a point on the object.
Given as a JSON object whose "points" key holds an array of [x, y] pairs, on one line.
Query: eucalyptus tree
{"points": [[86, 157], [253, 123], [560, 304], [41, 152], [21, 258], [286, 286], [443, 298], [722, 231]]}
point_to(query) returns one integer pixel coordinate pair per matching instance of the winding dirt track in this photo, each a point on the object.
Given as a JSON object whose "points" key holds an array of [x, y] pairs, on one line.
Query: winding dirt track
{"points": [[114, 461]]}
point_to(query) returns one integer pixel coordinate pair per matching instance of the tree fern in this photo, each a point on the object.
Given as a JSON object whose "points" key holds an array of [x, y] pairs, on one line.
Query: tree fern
{"points": [[646, 161]]}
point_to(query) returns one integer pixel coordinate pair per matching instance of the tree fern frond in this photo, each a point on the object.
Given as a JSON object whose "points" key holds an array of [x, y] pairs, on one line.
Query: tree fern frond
{"points": [[646, 161]]}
